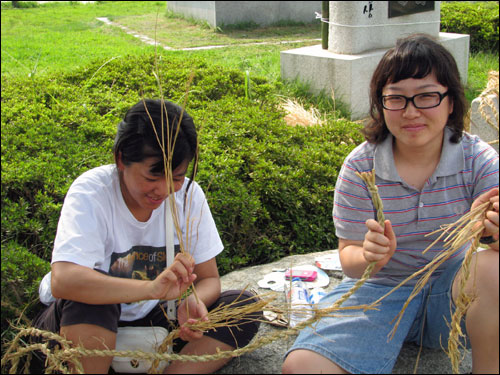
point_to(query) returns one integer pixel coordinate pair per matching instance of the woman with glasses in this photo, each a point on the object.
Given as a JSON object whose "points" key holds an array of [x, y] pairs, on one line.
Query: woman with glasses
{"points": [[429, 173]]}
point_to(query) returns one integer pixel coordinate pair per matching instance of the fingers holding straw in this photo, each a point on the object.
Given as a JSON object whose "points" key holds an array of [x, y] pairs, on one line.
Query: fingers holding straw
{"points": [[174, 280], [369, 179], [490, 221], [380, 243]]}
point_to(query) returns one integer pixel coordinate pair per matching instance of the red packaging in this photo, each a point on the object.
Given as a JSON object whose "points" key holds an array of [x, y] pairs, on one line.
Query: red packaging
{"points": [[304, 275]]}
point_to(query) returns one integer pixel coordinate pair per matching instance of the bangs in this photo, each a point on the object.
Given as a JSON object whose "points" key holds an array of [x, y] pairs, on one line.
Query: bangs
{"points": [[413, 62], [180, 153], [158, 167]]}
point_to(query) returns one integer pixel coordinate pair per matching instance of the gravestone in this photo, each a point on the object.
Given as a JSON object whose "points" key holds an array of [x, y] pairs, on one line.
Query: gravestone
{"points": [[360, 32], [220, 13]]}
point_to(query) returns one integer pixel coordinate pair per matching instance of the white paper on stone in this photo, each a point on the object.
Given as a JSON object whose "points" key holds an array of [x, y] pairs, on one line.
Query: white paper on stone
{"points": [[276, 280]]}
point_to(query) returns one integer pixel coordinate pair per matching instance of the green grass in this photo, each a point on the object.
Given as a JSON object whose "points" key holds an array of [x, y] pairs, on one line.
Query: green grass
{"points": [[479, 65], [64, 36], [180, 32], [260, 60]]}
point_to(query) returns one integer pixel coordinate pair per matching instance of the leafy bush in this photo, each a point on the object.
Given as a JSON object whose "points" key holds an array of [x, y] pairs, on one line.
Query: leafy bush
{"points": [[269, 186], [479, 19], [21, 274], [272, 190], [22, 4]]}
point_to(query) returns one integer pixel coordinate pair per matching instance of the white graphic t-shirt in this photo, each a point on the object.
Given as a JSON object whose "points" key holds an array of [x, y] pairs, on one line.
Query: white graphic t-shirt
{"points": [[97, 230]]}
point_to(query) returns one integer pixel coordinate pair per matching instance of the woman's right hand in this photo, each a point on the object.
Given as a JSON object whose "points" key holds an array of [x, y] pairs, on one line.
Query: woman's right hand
{"points": [[379, 244], [174, 280]]}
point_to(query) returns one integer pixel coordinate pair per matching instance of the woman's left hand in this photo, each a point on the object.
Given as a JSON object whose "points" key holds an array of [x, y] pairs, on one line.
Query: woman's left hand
{"points": [[491, 220], [189, 312]]}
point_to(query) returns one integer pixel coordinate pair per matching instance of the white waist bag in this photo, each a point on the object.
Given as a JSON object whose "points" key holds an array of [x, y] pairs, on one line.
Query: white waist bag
{"points": [[147, 339]]}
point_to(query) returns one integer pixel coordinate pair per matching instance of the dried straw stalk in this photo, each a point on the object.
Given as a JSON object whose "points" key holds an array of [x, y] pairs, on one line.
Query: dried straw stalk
{"points": [[369, 179], [66, 353], [486, 102], [470, 233], [298, 115], [466, 230]]}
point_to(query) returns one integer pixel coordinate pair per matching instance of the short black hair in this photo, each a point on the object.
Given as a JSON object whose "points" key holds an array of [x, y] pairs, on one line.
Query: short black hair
{"points": [[150, 122]]}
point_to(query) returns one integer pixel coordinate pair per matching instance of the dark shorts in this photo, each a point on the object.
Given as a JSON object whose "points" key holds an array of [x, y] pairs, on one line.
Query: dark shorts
{"points": [[65, 312]]}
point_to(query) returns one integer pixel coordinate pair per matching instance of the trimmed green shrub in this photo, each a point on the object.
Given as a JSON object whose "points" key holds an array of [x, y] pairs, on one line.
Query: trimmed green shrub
{"points": [[270, 186], [479, 19], [22, 4], [22, 271]]}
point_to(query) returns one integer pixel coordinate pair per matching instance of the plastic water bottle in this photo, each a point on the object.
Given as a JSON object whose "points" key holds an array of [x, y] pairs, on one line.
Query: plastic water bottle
{"points": [[298, 297], [315, 295]]}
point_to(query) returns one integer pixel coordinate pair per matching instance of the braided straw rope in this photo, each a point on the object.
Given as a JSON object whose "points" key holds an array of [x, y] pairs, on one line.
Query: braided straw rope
{"points": [[486, 101], [369, 179], [470, 231], [464, 230], [57, 357]]}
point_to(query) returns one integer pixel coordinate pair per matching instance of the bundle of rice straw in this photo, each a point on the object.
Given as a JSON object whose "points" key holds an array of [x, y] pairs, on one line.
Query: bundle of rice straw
{"points": [[298, 115], [487, 108], [369, 179], [467, 230], [66, 356]]}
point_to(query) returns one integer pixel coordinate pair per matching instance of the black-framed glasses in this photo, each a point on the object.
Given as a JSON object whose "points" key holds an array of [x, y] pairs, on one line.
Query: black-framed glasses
{"points": [[421, 101]]}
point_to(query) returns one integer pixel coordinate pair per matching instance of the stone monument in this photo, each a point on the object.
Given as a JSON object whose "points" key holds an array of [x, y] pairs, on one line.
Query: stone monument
{"points": [[360, 32]]}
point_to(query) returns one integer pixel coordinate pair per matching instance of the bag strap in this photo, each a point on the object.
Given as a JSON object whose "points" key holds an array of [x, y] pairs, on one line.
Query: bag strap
{"points": [[169, 244]]}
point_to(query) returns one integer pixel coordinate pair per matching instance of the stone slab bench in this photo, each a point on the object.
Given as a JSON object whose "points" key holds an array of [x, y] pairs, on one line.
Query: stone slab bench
{"points": [[268, 359]]}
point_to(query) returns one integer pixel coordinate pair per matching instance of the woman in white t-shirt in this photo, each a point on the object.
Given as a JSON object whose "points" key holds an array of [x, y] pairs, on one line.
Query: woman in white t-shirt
{"points": [[109, 262]]}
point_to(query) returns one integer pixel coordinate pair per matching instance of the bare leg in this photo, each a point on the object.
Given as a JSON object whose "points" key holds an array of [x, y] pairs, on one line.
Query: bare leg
{"points": [[482, 317], [91, 337], [205, 345], [304, 361]]}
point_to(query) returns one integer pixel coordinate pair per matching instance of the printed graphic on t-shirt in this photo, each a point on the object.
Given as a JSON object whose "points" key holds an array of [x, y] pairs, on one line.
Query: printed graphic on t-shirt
{"points": [[140, 262]]}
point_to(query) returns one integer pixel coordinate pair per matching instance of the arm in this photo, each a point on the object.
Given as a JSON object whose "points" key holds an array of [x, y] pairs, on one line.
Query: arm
{"points": [[379, 245], [82, 284], [208, 282]]}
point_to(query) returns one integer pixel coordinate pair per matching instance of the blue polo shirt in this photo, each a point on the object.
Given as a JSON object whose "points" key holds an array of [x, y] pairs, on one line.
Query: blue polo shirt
{"points": [[466, 170]]}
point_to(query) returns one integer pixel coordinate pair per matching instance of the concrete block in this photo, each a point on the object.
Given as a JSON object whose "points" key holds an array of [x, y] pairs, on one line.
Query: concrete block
{"points": [[199, 10], [218, 13], [349, 75]]}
